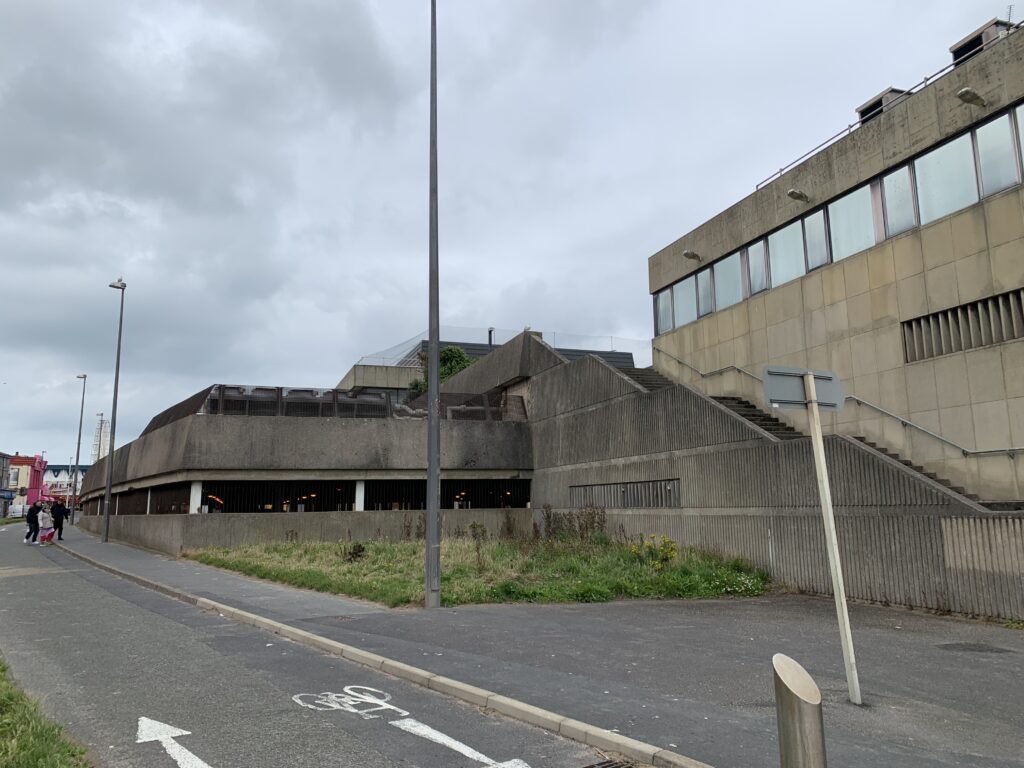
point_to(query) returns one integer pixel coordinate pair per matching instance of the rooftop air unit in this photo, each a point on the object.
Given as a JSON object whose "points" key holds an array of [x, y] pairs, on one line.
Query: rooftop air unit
{"points": [[978, 39]]}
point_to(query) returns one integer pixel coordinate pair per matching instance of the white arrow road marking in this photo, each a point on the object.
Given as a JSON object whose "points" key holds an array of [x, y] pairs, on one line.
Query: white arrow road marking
{"points": [[417, 728], [154, 730]]}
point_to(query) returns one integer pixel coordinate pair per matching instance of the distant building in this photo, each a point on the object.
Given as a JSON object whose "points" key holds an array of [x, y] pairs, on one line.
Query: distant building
{"points": [[27, 478], [893, 256], [61, 481], [6, 494]]}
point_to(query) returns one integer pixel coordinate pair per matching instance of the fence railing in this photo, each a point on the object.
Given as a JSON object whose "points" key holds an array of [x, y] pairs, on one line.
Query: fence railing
{"points": [[906, 423]]}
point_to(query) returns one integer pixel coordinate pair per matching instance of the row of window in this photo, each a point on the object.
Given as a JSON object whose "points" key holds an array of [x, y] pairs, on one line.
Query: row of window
{"points": [[952, 176]]}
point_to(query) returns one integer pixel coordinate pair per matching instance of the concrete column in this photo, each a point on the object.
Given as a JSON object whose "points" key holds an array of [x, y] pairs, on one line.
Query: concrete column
{"points": [[360, 495], [117, 502], [149, 497], [195, 500]]}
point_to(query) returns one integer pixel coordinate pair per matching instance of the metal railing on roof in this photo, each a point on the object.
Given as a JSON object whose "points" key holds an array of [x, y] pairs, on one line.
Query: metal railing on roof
{"points": [[859, 401], [874, 113]]}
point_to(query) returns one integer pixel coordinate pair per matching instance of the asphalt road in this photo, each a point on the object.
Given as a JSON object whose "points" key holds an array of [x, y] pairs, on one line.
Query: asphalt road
{"points": [[100, 652]]}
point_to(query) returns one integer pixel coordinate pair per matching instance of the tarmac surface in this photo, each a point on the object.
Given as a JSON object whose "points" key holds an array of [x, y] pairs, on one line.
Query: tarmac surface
{"points": [[690, 676]]}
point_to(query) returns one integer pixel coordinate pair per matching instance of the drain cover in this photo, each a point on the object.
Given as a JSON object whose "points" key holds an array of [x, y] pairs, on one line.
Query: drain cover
{"points": [[972, 648], [612, 764]]}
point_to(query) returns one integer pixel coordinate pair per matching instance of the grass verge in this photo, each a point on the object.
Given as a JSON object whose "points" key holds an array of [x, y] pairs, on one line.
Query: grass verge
{"points": [[12, 521], [27, 738], [493, 571]]}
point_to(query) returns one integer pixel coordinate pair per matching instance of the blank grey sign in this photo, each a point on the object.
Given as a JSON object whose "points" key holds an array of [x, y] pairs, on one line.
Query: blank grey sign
{"points": [[784, 387]]}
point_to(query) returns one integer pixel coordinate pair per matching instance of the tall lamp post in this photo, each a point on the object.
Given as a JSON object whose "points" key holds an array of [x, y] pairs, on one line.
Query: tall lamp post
{"points": [[78, 450], [433, 565], [119, 285]]}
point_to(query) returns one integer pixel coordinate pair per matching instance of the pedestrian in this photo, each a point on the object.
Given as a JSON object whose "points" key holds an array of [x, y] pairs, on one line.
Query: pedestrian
{"points": [[32, 518], [45, 526], [60, 514]]}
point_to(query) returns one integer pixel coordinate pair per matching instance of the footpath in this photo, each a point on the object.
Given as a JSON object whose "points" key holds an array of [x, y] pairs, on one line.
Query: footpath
{"points": [[689, 677]]}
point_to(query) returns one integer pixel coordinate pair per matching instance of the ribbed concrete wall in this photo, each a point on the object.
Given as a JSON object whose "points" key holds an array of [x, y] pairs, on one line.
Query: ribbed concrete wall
{"points": [[765, 475], [646, 423], [586, 381], [522, 357], [175, 534], [967, 565]]}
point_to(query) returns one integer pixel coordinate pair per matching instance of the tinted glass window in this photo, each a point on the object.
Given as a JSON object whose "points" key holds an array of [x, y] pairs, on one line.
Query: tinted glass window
{"points": [[705, 297], [728, 281], [851, 223], [786, 253], [756, 268], [662, 312], [899, 202], [1020, 129], [814, 236], [945, 179], [996, 156], [684, 297]]}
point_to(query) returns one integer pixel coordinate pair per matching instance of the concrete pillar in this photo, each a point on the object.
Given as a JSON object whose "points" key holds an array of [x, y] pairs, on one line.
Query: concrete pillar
{"points": [[117, 502], [360, 495], [149, 497], [195, 500]]}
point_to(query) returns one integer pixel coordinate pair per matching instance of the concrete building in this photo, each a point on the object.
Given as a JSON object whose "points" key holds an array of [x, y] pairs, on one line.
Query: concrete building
{"points": [[894, 256]]}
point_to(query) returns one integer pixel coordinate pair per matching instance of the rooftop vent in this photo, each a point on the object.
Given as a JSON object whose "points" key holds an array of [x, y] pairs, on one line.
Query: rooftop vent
{"points": [[978, 39], [873, 107]]}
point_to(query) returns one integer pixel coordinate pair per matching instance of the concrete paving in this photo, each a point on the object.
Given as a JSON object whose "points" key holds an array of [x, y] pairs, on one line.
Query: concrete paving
{"points": [[99, 652], [690, 676]]}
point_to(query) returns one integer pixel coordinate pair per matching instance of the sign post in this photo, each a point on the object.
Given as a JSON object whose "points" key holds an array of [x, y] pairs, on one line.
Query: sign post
{"points": [[796, 387]]}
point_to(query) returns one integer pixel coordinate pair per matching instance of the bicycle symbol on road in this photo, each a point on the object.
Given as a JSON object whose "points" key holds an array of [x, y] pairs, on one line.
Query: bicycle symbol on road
{"points": [[365, 701]]}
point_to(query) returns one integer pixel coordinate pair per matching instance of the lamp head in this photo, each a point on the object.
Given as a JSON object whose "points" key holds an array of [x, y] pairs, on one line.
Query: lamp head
{"points": [[692, 255], [798, 194], [119, 284], [970, 96], [81, 376]]}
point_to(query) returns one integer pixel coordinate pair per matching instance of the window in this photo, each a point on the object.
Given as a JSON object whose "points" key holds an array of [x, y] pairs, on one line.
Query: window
{"points": [[684, 297], [946, 180], [662, 312], [728, 281], [899, 202], [1020, 129], [705, 295], [757, 270], [786, 253], [851, 223], [814, 236], [996, 156]]}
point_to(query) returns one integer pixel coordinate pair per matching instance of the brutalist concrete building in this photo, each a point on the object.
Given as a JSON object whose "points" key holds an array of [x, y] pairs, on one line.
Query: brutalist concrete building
{"points": [[894, 256]]}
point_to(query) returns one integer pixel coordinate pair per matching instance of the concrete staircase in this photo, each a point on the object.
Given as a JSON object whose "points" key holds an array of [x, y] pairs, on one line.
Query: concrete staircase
{"points": [[648, 378], [759, 418], [995, 506]]}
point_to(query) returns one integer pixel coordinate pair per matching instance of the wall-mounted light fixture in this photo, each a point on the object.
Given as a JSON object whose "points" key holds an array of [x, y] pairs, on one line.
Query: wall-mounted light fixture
{"points": [[798, 194], [692, 255], [970, 96]]}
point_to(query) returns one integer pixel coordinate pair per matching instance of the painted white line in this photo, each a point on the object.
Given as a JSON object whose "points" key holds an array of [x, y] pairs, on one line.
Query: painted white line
{"points": [[154, 730], [417, 728]]}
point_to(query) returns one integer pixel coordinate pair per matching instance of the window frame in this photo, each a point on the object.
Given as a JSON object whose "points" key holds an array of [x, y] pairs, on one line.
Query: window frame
{"points": [[911, 176], [972, 140], [708, 270], [1014, 149], [828, 241]]}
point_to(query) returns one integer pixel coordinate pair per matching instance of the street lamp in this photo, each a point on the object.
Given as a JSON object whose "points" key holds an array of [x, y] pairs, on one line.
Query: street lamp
{"points": [[119, 285], [432, 587], [78, 449]]}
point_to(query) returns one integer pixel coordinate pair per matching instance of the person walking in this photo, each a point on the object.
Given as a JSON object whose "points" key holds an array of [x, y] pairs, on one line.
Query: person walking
{"points": [[32, 518], [60, 514], [45, 526]]}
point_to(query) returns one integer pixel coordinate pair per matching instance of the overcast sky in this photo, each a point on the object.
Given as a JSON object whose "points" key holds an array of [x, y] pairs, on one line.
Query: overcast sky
{"points": [[256, 170]]}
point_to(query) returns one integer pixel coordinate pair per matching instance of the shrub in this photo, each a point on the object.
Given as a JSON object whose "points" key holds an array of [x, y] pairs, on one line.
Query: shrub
{"points": [[653, 551]]}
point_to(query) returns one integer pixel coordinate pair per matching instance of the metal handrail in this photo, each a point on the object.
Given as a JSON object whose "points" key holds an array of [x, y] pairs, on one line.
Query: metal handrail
{"points": [[860, 401], [902, 97]]}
